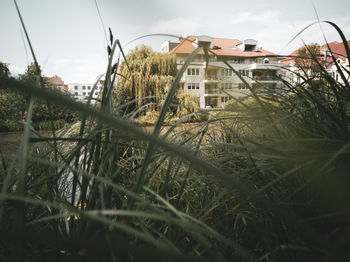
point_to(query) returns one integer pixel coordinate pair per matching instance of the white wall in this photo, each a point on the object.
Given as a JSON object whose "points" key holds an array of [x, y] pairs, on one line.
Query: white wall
{"points": [[234, 79], [82, 91]]}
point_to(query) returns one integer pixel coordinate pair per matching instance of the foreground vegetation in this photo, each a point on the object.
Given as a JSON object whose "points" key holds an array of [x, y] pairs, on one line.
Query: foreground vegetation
{"points": [[270, 183]]}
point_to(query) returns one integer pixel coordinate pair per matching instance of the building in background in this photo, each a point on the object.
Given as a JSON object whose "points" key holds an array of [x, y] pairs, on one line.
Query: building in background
{"points": [[215, 83], [57, 83], [81, 92], [341, 59]]}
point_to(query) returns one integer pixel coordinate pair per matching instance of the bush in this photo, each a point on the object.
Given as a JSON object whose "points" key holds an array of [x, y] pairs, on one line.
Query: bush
{"points": [[187, 103], [10, 126], [46, 125]]}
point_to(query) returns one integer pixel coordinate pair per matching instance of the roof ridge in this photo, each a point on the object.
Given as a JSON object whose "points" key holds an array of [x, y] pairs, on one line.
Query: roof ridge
{"points": [[181, 43]]}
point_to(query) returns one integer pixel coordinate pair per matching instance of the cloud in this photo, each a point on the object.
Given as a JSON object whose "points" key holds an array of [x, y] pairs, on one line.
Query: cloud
{"points": [[264, 18], [16, 70], [273, 31], [85, 70], [280, 34], [177, 26]]}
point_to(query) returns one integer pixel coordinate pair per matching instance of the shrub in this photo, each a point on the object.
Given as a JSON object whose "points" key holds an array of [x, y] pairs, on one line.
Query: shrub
{"points": [[10, 126]]}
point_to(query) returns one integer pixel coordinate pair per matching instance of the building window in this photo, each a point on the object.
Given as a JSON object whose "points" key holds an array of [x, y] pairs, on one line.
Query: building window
{"points": [[244, 72], [84, 94], [226, 86], [242, 86], [84, 87], [226, 72], [88, 93], [224, 99], [193, 71], [76, 93], [96, 93], [76, 87], [192, 86], [89, 87]]}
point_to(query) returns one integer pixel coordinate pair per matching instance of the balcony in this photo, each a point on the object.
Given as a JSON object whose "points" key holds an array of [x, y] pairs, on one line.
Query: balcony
{"points": [[269, 66], [211, 59], [265, 78], [212, 92], [211, 79], [212, 102], [211, 76]]}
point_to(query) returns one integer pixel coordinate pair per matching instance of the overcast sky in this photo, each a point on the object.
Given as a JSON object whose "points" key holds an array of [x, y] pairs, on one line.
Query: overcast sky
{"points": [[69, 41]]}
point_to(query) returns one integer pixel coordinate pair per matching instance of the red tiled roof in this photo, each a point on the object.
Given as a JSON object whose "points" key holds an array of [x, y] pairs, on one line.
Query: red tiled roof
{"points": [[55, 80], [337, 49], [291, 56], [226, 47]]}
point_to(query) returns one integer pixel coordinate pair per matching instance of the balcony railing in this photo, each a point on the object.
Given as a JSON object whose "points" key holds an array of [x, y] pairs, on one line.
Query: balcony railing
{"points": [[249, 62], [212, 91], [265, 78], [211, 77], [269, 63]]}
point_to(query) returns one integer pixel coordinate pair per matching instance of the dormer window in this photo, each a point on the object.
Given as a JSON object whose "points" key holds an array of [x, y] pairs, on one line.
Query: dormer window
{"points": [[250, 45], [204, 41]]}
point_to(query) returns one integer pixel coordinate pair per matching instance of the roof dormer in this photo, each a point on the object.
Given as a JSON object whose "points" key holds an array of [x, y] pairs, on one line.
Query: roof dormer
{"points": [[204, 41], [250, 45]]}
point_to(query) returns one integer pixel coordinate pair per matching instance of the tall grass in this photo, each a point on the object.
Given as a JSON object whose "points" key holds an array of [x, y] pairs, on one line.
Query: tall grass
{"points": [[270, 183]]}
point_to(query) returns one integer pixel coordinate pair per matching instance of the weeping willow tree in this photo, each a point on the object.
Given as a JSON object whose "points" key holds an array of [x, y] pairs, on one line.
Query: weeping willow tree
{"points": [[187, 103], [150, 74]]}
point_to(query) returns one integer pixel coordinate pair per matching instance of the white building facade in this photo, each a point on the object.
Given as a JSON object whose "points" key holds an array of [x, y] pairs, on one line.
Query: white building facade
{"points": [[343, 64], [214, 82], [82, 92]]}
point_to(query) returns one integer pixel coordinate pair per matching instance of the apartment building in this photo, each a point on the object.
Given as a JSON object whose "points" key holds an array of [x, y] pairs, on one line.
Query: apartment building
{"points": [[82, 91], [341, 59], [215, 83]]}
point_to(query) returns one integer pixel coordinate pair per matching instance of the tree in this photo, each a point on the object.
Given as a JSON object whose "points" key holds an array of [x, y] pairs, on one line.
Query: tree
{"points": [[32, 73], [308, 60], [150, 74], [12, 103], [187, 103], [4, 70]]}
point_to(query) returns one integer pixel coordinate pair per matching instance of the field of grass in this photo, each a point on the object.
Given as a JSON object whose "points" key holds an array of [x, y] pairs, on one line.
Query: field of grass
{"points": [[270, 183]]}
